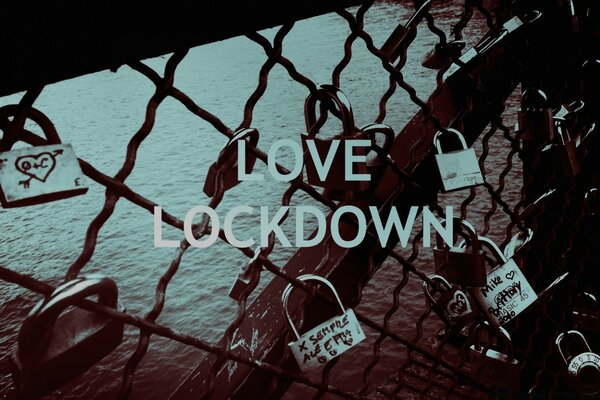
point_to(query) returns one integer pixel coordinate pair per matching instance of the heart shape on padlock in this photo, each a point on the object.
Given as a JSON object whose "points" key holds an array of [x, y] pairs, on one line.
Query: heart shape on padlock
{"points": [[510, 275], [459, 305], [38, 166]]}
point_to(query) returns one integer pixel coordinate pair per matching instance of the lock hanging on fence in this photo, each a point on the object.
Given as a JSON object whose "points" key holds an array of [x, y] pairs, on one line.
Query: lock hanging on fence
{"points": [[535, 122], [226, 166], [55, 345], [332, 98], [376, 164], [326, 341], [452, 306], [583, 366], [243, 279], [38, 174], [566, 149], [507, 291], [464, 266], [516, 243], [443, 54], [460, 168], [493, 365], [586, 313]]}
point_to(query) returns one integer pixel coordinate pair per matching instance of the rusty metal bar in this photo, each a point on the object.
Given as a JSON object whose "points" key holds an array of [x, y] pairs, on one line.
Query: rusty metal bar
{"points": [[52, 41]]}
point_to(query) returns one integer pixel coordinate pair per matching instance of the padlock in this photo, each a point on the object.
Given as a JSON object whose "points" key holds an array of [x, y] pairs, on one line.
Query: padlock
{"points": [[332, 98], [507, 291], [243, 279], [326, 341], [55, 345], [375, 161], [461, 266], [39, 174], [443, 54], [566, 150], [535, 118], [460, 168], [453, 306], [589, 84], [227, 162], [493, 365], [583, 366], [586, 313]]}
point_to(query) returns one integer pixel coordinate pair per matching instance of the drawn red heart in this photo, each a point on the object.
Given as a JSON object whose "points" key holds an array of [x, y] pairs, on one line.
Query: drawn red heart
{"points": [[459, 305], [510, 275], [36, 166]]}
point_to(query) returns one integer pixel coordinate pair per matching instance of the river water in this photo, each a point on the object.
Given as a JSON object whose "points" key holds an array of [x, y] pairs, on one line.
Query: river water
{"points": [[98, 114]]}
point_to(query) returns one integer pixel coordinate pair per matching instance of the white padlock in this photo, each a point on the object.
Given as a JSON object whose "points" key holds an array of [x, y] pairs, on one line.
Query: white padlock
{"points": [[326, 341], [460, 168]]}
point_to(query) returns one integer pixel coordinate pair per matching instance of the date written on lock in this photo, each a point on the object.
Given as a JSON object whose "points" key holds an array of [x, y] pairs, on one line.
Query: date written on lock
{"points": [[39, 174], [506, 293]]}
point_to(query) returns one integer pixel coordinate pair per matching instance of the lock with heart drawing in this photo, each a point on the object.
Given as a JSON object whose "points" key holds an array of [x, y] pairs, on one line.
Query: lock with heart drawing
{"points": [[47, 171]]}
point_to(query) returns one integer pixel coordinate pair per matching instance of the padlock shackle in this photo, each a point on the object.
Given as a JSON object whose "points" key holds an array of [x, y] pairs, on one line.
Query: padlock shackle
{"points": [[491, 245], [370, 131], [588, 209], [438, 145], [465, 227], [426, 286], [499, 333], [534, 100], [36, 331], [560, 338], [561, 129], [285, 297], [340, 101], [48, 128], [228, 155]]}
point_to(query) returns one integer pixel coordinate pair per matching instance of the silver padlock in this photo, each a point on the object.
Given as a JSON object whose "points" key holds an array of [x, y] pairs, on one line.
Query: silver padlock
{"points": [[326, 341], [39, 174], [583, 368], [566, 149], [243, 279], [493, 366], [460, 168], [507, 291]]}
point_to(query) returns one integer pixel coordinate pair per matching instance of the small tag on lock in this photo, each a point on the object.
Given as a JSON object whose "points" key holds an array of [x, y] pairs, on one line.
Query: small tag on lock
{"points": [[35, 175], [327, 341], [506, 293]]}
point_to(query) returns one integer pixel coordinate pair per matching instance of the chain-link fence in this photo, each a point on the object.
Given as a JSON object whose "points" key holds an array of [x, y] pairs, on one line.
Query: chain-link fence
{"points": [[534, 189]]}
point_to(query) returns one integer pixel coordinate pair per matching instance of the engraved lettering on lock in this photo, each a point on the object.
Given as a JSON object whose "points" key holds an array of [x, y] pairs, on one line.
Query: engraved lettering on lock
{"points": [[459, 306], [36, 166]]}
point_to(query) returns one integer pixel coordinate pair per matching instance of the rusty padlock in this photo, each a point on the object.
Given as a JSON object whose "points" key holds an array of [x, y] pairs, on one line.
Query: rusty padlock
{"points": [[39, 174], [493, 364], [452, 306], [566, 149], [586, 313], [507, 291], [375, 161], [583, 365], [326, 341], [464, 266], [243, 279], [332, 98], [443, 54], [460, 168], [56, 345], [226, 166], [535, 121]]}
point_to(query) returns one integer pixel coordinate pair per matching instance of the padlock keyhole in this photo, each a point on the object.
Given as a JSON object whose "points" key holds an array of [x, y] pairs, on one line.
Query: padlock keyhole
{"points": [[589, 374]]}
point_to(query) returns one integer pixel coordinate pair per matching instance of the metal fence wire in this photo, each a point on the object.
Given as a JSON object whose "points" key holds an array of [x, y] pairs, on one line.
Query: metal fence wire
{"points": [[530, 46]]}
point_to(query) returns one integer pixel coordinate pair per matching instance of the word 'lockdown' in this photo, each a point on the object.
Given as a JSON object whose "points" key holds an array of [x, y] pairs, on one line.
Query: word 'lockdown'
{"points": [[270, 225]]}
